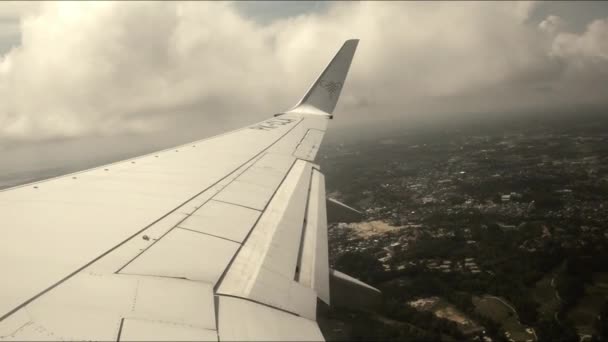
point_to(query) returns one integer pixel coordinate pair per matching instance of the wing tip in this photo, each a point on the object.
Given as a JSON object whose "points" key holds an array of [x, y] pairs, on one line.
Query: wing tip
{"points": [[324, 93]]}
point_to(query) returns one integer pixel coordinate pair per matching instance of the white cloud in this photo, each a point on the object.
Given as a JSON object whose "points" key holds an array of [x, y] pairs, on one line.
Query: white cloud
{"points": [[591, 44], [86, 68], [105, 67], [552, 24], [583, 59]]}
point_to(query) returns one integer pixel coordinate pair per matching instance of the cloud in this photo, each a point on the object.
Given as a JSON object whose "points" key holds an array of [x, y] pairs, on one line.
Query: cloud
{"points": [[109, 67], [552, 24], [17, 9], [90, 68], [592, 45], [583, 57], [10, 14]]}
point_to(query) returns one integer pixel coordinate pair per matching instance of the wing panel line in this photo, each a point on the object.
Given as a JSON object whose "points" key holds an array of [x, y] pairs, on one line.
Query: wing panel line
{"points": [[260, 154], [215, 236], [300, 142], [304, 224], [257, 302], [236, 204], [187, 216], [122, 322]]}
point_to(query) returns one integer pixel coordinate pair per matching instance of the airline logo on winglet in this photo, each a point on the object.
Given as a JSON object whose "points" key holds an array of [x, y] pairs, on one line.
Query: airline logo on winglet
{"points": [[272, 124], [331, 87]]}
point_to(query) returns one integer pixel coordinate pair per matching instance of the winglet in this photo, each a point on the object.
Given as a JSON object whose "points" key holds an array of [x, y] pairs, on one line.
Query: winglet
{"points": [[323, 95]]}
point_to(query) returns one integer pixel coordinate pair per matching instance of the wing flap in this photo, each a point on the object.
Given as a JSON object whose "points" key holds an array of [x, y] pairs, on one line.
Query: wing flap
{"points": [[314, 256], [92, 307], [242, 320], [264, 269], [145, 330]]}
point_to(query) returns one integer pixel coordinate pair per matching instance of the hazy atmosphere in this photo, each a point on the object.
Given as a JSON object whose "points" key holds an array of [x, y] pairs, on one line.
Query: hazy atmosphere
{"points": [[167, 171], [96, 81]]}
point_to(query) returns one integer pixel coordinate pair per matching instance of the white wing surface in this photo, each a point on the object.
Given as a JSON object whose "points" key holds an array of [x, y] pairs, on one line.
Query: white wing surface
{"points": [[219, 239]]}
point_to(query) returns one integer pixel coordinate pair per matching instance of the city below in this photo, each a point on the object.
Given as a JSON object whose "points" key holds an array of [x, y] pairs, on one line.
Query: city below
{"points": [[491, 230]]}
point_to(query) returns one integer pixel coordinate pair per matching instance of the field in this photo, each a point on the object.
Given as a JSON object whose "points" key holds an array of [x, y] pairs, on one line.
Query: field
{"points": [[372, 228], [499, 311], [586, 310], [544, 294], [445, 310]]}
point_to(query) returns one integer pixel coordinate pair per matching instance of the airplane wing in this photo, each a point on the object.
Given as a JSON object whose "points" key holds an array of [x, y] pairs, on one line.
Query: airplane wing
{"points": [[220, 239]]}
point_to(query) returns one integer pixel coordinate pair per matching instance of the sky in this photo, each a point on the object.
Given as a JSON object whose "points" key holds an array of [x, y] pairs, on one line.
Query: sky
{"points": [[86, 82]]}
